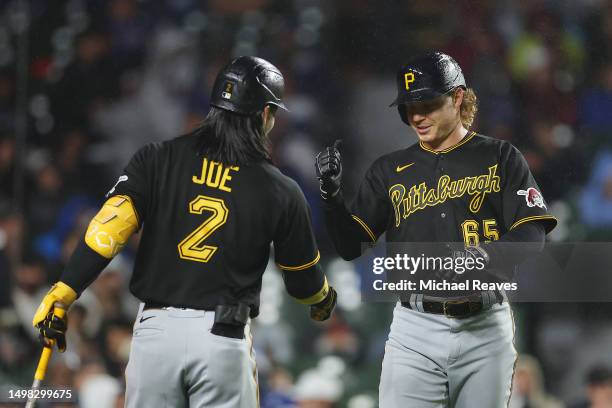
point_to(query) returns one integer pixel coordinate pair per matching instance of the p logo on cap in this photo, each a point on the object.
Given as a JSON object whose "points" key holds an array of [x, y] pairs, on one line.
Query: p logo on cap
{"points": [[408, 79]]}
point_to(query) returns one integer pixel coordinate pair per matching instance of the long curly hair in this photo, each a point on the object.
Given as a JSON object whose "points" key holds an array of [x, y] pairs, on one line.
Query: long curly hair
{"points": [[468, 108]]}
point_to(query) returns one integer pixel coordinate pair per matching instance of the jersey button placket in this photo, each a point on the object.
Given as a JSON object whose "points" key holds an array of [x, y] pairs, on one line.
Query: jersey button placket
{"points": [[439, 164], [440, 171]]}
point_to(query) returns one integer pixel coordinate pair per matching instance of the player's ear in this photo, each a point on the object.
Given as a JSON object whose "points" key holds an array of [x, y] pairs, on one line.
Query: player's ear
{"points": [[458, 97]]}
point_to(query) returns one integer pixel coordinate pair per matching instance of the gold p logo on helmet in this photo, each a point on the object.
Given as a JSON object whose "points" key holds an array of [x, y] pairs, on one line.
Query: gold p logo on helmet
{"points": [[408, 79], [227, 93]]}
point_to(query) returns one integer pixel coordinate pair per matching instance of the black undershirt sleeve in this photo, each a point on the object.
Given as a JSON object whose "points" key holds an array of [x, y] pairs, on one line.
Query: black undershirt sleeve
{"points": [[345, 233], [365, 219], [83, 267], [518, 244], [304, 283], [530, 232]]}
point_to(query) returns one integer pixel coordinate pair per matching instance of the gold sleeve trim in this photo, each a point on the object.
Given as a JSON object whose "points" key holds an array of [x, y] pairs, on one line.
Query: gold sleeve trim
{"points": [[317, 297], [301, 267], [532, 218], [448, 149], [365, 227]]}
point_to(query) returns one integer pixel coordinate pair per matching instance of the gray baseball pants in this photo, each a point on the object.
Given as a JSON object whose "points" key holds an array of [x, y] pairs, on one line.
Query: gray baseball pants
{"points": [[175, 361], [432, 361]]}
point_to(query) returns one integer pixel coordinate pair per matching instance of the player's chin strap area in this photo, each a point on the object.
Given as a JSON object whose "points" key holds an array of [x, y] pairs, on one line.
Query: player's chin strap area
{"points": [[230, 320]]}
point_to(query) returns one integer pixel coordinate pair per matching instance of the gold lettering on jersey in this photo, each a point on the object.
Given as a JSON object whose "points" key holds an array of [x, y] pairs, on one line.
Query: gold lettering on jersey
{"points": [[215, 175], [418, 197], [226, 178]]}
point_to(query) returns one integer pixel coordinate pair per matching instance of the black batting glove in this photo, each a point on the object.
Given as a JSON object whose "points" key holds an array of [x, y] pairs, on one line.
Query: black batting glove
{"points": [[323, 310], [461, 251], [328, 164], [478, 252], [53, 328]]}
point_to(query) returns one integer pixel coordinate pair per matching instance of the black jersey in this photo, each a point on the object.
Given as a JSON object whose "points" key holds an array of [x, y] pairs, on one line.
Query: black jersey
{"points": [[472, 192], [207, 227]]}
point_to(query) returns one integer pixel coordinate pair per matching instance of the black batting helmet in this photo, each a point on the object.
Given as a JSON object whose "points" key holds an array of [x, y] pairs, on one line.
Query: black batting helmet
{"points": [[246, 85], [426, 77]]}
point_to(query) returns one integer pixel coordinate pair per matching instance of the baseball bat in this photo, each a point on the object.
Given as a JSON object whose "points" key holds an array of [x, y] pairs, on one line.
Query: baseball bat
{"points": [[45, 356]]}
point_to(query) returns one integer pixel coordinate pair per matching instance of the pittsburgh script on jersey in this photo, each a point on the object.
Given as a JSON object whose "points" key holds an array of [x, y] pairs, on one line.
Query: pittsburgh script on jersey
{"points": [[420, 196], [215, 175]]}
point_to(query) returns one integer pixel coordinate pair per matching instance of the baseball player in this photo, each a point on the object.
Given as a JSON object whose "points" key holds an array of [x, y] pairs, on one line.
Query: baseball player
{"points": [[454, 185], [209, 203]]}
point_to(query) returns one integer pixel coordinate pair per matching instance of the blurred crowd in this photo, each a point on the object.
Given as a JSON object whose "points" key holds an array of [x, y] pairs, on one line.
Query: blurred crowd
{"points": [[101, 78]]}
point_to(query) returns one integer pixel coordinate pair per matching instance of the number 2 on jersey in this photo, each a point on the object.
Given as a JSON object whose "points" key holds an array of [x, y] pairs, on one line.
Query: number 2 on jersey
{"points": [[193, 247]]}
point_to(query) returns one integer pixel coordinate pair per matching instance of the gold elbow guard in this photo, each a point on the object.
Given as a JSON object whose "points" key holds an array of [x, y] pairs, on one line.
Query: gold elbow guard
{"points": [[110, 229]]}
